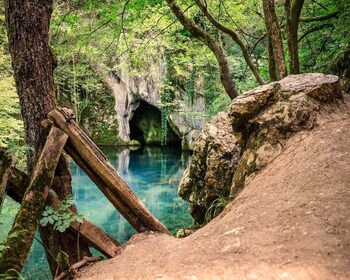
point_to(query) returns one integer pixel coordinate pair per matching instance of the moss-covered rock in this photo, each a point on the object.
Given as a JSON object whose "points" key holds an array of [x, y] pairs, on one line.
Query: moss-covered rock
{"points": [[259, 122], [264, 118], [209, 175]]}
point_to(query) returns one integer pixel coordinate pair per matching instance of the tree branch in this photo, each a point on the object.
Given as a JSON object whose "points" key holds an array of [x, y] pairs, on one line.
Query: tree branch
{"points": [[314, 29], [217, 50], [320, 18], [235, 38]]}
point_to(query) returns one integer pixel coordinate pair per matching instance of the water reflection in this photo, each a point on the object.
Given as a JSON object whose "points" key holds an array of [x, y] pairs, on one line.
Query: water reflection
{"points": [[152, 173]]}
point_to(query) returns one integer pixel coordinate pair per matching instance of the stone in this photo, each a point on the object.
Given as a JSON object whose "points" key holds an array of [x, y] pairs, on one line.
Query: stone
{"points": [[265, 118], [203, 181], [234, 146], [130, 92]]}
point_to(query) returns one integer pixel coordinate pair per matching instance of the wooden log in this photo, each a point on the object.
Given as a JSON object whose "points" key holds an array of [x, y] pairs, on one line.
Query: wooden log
{"points": [[78, 265], [89, 157], [21, 235], [5, 171], [89, 232]]}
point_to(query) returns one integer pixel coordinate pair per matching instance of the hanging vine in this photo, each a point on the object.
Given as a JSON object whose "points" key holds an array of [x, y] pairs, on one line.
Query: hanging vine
{"points": [[166, 98]]}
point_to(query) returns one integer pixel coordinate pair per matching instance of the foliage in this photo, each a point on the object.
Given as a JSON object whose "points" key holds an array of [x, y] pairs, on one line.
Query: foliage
{"points": [[217, 206], [11, 124], [9, 275], [61, 216], [319, 49]]}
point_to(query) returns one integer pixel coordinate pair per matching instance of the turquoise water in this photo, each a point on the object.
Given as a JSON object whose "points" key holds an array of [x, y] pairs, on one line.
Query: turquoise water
{"points": [[153, 173]]}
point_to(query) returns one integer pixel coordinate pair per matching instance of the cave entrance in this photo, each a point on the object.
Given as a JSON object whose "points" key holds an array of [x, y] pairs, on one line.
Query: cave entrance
{"points": [[146, 127]]}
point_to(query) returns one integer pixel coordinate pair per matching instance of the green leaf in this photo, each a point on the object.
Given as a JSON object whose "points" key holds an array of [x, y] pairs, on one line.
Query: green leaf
{"points": [[44, 221], [51, 220]]}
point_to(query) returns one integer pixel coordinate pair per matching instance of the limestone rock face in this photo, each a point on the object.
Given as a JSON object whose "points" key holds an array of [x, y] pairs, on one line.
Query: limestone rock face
{"points": [[130, 91], [259, 122], [264, 118], [210, 172]]}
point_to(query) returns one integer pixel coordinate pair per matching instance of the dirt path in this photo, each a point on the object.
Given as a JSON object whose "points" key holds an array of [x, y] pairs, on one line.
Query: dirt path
{"points": [[292, 221]]}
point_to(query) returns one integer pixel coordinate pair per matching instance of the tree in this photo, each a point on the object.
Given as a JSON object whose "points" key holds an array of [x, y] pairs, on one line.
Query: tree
{"points": [[214, 46], [293, 11], [188, 23], [277, 65], [28, 24]]}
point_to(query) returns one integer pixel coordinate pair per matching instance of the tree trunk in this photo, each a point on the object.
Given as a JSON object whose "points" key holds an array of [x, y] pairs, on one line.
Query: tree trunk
{"points": [[5, 169], [28, 24], [189, 24], [27, 220], [293, 10], [275, 40], [272, 66]]}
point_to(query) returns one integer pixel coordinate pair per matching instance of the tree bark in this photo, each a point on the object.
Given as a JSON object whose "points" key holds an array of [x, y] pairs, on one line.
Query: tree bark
{"points": [[293, 10], [28, 24], [272, 65], [189, 24], [27, 220], [5, 170], [235, 38], [275, 40]]}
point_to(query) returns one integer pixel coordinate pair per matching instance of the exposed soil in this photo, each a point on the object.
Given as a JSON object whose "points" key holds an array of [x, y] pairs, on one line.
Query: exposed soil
{"points": [[292, 221]]}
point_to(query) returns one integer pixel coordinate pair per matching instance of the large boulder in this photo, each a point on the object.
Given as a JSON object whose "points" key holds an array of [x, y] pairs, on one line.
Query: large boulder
{"points": [[259, 122], [209, 174], [265, 118]]}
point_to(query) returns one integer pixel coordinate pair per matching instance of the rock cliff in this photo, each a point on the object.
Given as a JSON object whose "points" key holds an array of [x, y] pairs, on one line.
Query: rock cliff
{"points": [[203, 181], [140, 96], [261, 120]]}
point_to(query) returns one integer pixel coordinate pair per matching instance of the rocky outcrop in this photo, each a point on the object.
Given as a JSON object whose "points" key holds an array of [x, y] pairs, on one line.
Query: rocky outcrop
{"points": [[262, 120], [210, 172]]}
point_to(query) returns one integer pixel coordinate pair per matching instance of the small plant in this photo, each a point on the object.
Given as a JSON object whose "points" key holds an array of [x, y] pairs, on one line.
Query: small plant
{"points": [[61, 217], [18, 152], [217, 206], [12, 275]]}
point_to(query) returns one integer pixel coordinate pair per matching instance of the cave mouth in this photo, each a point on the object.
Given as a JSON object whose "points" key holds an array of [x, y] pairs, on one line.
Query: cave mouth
{"points": [[146, 127]]}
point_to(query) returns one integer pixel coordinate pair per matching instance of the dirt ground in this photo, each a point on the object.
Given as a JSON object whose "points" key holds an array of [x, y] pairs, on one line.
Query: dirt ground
{"points": [[292, 221]]}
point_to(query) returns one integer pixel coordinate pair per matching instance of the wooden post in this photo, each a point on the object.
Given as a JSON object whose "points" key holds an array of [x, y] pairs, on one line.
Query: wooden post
{"points": [[89, 232], [95, 164], [21, 235], [5, 169]]}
